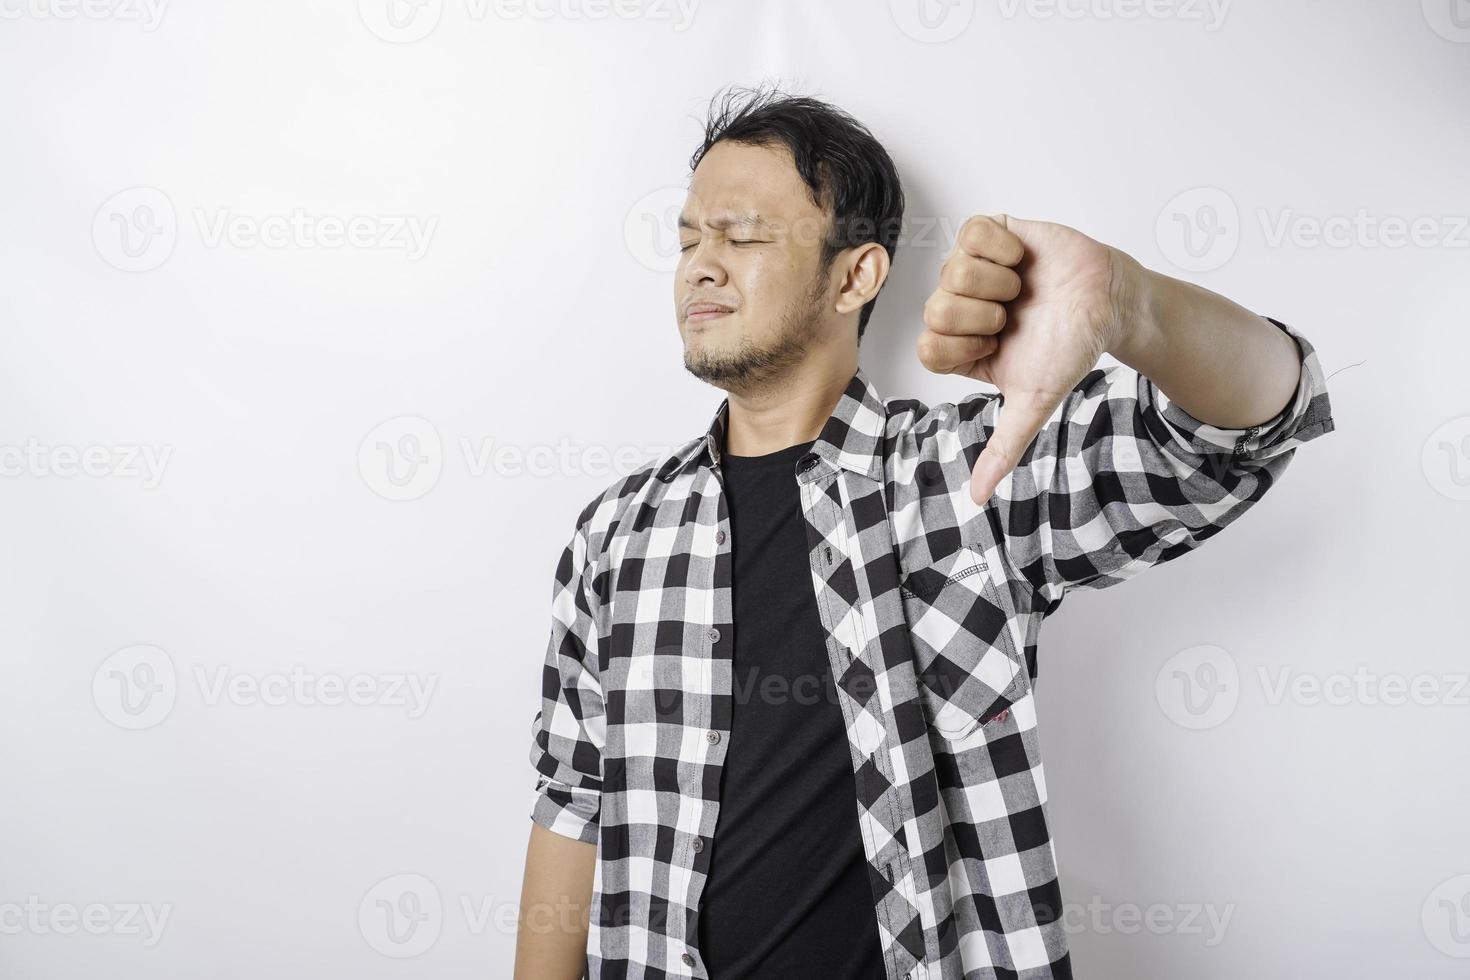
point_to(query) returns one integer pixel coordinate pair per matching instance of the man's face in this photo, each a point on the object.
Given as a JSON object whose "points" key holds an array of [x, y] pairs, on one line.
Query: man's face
{"points": [[751, 243]]}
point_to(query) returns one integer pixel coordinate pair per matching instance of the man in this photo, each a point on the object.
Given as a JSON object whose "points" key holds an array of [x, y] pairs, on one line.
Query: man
{"points": [[787, 726]]}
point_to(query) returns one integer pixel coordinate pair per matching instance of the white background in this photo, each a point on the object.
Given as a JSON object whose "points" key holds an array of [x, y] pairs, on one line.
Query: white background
{"points": [[540, 148]]}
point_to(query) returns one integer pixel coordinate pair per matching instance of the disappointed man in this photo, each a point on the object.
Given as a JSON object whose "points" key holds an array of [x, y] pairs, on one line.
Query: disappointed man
{"points": [[787, 726]]}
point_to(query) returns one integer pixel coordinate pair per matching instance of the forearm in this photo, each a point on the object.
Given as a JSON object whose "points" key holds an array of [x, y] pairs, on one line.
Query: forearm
{"points": [[556, 893], [1218, 361]]}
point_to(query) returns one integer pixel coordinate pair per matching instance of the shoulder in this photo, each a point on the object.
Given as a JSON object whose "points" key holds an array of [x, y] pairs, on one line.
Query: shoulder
{"points": [[975, 414], [915, 422], [600, 518]]}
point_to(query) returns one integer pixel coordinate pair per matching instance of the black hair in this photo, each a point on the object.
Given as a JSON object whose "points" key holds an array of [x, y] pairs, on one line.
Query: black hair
{"points": [[846, 170]]}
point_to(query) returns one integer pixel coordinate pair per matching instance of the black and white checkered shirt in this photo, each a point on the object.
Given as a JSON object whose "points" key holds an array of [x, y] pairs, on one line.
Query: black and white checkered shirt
{"points": [[931, 605]]}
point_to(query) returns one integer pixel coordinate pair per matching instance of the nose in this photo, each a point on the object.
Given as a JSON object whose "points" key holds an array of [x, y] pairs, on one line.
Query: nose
{"points": [[701, 266]]}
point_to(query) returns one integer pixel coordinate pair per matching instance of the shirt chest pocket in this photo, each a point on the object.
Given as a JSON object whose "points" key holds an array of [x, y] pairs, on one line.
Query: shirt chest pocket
{"points": [[967, 669]]}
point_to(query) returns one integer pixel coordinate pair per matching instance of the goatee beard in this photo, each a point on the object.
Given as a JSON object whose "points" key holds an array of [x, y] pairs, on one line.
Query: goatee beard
{"points": [[749, 368]]}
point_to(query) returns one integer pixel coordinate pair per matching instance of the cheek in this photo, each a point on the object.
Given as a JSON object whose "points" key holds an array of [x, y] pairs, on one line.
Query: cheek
{"points": [[762, 281]]}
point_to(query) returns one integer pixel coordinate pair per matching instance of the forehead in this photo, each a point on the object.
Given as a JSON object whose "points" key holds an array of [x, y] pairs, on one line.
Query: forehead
{"points": [[739, 185]]}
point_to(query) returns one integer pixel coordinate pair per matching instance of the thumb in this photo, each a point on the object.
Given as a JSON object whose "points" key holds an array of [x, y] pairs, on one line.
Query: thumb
{"points": [[1024, 229], [1020, 418]]}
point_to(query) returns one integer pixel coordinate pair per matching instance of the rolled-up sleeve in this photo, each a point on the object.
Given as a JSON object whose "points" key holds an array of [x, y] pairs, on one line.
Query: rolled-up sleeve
{"points": [[568, 732], [1306, 416], [1122, 478]]}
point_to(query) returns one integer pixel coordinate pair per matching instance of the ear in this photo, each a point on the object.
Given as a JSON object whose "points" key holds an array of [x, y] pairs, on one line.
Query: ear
{"points": [[863, 269]]}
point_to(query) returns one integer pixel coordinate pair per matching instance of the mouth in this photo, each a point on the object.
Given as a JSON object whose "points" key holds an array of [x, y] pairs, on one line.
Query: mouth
{"points": [[706, 312]]}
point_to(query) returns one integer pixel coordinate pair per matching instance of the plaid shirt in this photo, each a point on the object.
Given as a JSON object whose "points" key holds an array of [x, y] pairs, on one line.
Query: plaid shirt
{"points": [[931, 606]]}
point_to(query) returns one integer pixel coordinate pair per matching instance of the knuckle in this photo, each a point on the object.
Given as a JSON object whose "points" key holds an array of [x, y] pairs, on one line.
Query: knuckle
{"points": [[936, 312], [1013, 284], [946, 275], [928, 350], [972, 233], [954, 276]]}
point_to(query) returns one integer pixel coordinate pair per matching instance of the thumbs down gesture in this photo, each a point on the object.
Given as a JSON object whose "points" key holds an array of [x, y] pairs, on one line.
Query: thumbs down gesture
{"points": [[1029, 307]]}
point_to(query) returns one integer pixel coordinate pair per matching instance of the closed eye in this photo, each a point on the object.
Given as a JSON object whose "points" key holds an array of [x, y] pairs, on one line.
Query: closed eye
{"points": [[732, 241]]}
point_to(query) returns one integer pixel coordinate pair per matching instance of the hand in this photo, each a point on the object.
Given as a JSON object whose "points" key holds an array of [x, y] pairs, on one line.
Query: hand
{"points": [[1027, 306]]}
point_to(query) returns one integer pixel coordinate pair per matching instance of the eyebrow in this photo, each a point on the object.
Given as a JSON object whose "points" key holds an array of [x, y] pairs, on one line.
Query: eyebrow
{"points": [[746, 219]]}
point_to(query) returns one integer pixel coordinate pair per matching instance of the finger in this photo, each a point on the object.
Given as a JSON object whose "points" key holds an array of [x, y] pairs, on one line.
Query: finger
{"points": [[987, 237], [1020, 418], [943, 353], [946, 312], [966, 275]]}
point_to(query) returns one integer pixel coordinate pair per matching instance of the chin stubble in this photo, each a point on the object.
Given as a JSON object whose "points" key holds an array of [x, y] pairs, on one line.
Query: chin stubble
{"points": [[749, 367]]}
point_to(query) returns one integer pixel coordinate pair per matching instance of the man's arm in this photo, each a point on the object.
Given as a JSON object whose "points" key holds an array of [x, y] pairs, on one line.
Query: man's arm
{"points": [[1093, 473], [567, 740], [1215, 359], [1030, 306], [551, 941]]}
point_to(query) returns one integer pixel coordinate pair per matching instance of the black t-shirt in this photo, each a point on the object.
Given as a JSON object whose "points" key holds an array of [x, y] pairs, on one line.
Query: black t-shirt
{"points": [[788, 894]]}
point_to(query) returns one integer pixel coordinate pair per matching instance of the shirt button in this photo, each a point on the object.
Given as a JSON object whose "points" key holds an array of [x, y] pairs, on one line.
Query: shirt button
{"points": [[714, 635], [688, 960], [698, 844], [719, 537], [712, 736]]}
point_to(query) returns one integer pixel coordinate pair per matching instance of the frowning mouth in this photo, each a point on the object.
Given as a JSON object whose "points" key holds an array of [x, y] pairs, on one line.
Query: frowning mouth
{"points": [[704, 312]]}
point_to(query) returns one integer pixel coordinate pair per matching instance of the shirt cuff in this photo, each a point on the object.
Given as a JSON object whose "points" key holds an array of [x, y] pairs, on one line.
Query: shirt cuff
{"points": [[1306, 416], [566, 811]]}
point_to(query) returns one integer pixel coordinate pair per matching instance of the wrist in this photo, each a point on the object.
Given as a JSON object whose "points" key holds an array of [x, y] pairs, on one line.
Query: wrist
{"points": [[1140, 298]]}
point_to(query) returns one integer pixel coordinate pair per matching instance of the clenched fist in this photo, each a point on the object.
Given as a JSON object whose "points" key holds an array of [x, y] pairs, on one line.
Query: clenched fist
{"points": [[1027, 306]]}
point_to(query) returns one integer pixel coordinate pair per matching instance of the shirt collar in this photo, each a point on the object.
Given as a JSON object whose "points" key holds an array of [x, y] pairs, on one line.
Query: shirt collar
{"points": [[851, 438]]}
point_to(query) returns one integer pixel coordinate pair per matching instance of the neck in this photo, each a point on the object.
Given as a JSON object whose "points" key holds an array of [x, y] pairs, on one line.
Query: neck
{"points": [[790, 410]]}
